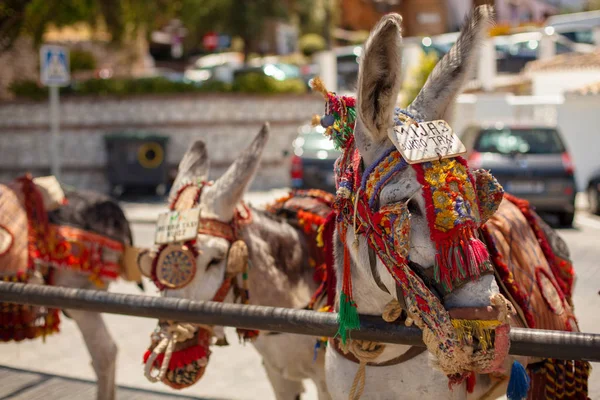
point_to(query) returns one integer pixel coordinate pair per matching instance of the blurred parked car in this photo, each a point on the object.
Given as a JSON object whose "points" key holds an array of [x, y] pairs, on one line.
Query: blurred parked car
{"points": [[578, 27], [167, 73], [513, 52], [218, 67], [593, 192], [278, 71], [347, 68], [530, 162], [313, 159]]}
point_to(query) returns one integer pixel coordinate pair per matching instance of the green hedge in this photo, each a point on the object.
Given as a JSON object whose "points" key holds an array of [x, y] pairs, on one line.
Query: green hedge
{"points": [[312, 43], [247, 83]]}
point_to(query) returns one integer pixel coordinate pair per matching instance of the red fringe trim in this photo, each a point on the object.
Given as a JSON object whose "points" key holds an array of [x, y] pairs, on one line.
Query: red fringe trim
{"points": [[180, 359], [471, 381], [331, 281], [19, 322], [181, 189], [462, 257], [247, 335]]}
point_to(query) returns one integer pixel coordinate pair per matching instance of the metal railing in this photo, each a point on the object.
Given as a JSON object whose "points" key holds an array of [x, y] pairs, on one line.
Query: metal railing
{"points": [[525, 342]]}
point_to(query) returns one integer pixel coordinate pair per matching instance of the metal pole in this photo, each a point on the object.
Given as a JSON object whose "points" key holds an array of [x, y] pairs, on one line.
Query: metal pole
{"points": [[525, 342], [54, 132]]}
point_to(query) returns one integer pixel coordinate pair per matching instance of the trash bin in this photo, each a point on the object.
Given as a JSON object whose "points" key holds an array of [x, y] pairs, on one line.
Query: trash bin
{"points": [[136, 160]]}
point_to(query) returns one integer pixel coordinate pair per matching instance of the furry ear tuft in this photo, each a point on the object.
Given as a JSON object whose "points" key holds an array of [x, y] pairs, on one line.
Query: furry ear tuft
{"points": [[379, 77], [194, 165], [229, 189], [449, 75]]}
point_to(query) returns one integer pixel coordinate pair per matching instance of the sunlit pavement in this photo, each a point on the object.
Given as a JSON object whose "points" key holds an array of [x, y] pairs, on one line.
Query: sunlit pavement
{"points": [[234, 372]]}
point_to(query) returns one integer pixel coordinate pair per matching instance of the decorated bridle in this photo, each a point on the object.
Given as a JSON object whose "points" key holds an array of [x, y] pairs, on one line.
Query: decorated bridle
{"points": [[453, 214], [174, 267]]}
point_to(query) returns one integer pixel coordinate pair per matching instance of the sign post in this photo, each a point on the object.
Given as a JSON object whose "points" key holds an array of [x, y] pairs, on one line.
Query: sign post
{"points": [[54, 73]]}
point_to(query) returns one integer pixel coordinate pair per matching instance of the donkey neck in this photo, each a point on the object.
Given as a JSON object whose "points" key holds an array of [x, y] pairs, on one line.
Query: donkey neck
{"points": [[279, 274]]}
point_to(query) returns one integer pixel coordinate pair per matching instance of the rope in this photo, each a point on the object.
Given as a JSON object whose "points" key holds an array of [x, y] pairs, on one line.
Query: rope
{"points": [[366, 352], [392, 311], [504, 307], [175, 333]]}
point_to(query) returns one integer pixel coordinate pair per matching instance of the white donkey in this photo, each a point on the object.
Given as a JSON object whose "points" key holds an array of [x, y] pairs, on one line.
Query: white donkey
{"points": [[279, 275], [385, 246]]}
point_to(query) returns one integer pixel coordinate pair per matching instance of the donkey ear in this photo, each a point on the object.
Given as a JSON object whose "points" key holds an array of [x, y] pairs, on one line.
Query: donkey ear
{"points": [[379, 77], [229, 188], [193, 165], [449, 75]]}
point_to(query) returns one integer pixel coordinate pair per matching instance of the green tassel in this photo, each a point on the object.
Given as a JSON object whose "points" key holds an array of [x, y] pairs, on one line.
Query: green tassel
{"points": [[347, 317]]}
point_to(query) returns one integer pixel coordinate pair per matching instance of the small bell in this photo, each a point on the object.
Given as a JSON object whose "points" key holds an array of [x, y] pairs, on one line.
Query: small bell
{"points": [[327, 121]]}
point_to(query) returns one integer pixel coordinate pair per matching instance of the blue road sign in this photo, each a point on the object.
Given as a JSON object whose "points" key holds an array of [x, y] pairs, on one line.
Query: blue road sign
{"points": [[54, 66]]}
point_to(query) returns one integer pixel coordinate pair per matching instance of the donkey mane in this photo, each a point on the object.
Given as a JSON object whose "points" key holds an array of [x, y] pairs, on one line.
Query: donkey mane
{"points": [[93, 212]]}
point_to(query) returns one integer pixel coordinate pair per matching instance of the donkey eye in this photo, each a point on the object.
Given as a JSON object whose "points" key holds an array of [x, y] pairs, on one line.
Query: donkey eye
{"points": [[214, 262]]}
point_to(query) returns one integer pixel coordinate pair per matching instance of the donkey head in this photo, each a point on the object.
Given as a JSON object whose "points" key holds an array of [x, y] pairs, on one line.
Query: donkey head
{"points": [[379, 84], [218, 258], [435, 244]]}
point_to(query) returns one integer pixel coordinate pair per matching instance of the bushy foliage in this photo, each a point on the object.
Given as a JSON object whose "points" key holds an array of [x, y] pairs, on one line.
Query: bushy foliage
{"points": [[418, 76], [312, 43], [258, 83], [28, 89], [246, 83], [81, 60]]}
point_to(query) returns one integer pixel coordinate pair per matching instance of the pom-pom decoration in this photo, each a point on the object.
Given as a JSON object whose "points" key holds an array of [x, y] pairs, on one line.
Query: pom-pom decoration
{"points": [[340, 115]]}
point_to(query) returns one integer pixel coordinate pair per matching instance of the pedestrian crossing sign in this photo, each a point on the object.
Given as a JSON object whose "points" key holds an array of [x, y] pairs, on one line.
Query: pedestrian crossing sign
{"points": [[54, 66]]}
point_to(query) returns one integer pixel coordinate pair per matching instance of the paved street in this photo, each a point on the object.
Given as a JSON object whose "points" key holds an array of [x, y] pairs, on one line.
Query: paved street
{"points": [[234, 372]]}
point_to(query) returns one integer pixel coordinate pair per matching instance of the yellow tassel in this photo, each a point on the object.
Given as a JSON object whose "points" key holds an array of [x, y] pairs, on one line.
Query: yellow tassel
{"points": [[466, 330], [318, 86], [320, 242], [324, 309]]}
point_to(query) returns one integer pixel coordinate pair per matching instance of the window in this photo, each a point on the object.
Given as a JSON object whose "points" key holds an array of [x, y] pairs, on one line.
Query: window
{"points": [[524, 141]]}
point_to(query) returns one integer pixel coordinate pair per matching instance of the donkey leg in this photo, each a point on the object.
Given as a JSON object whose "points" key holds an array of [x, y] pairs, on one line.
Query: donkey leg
{"points": [[284, 388], [322, 392], [318, 376], [102, 349]]}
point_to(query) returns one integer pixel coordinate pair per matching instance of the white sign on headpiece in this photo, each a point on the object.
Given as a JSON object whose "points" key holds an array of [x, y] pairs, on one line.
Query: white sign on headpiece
{"points": [[177, 226], [427, 141]]}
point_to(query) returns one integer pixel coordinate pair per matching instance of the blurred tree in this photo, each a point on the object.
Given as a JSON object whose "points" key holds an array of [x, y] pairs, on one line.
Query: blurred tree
{"points": [[12, 15], [244, 19], [311, 43], [418, 77], [120, 17], [593, 5]]}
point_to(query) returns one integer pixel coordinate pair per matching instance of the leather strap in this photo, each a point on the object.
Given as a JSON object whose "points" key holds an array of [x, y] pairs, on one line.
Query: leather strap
{"points": [[375, 272], [411, 353]]}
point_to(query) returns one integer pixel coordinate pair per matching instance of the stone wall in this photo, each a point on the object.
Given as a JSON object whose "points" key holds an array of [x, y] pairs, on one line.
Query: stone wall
{"points": [[227, 123]]}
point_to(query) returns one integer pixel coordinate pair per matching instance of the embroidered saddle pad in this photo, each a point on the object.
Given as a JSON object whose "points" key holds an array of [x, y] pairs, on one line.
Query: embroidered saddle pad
{"points": [[13, 232], [19, 322], [530, 280], [535, 274], [307, 210]]}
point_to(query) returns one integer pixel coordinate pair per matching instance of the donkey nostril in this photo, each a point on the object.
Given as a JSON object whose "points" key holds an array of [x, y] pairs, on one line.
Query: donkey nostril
{"points": [[414, 208]]}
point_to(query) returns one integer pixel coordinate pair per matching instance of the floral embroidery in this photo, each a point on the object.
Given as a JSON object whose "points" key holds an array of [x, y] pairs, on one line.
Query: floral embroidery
{"points": [[452, 193]]}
